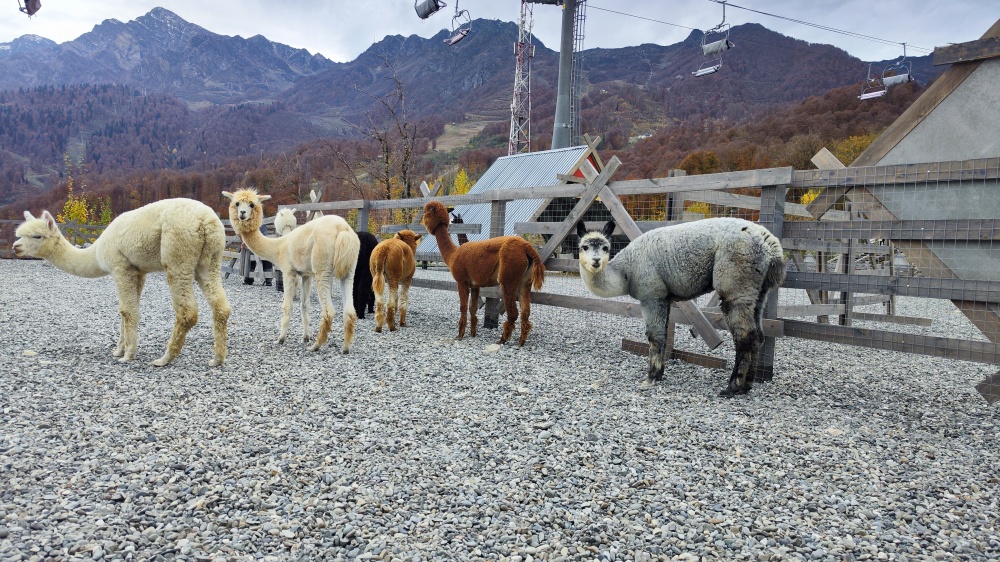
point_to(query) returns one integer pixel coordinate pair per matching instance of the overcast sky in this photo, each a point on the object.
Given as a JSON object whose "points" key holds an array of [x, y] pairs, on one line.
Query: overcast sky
{"points": [[342, 29]]}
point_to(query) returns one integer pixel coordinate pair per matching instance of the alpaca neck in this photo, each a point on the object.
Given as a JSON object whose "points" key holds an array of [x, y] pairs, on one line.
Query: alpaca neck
{"points": [[265, 248], [75, 261], [444, 243], [608, 282]]}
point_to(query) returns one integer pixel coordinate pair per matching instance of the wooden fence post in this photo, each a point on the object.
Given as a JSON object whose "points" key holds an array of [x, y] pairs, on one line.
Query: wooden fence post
{"points": [[498, 219], [363, 216], [772, 217]]}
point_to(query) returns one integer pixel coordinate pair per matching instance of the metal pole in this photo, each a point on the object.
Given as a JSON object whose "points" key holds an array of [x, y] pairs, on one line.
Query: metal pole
{"points": [[561, 128]]}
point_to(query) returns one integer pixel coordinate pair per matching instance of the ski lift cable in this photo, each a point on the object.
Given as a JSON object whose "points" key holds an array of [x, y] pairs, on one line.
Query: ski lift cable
{"points": [[825, 28]]}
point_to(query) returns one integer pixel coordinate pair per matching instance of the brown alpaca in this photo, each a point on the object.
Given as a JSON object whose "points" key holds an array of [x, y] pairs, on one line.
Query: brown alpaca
{"points": [[392, 263], [509, 261]]}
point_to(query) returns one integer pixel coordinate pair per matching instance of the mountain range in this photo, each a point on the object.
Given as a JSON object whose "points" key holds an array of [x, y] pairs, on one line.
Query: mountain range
{"points": [[228, 95]]}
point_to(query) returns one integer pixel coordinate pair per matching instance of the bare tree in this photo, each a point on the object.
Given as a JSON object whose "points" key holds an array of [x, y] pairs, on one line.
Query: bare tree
{"points": [[392, 141]]}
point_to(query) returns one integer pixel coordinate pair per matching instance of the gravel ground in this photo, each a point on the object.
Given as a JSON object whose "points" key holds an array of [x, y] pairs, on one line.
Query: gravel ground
{"points": [[415, 447]]}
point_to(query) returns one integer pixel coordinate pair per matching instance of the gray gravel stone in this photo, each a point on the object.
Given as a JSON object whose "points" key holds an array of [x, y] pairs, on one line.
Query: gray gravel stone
{"points": [[417, 447]]}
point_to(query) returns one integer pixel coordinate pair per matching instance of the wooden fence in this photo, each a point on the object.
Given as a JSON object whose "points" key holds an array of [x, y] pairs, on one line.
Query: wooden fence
{"points": [[844, 254]]}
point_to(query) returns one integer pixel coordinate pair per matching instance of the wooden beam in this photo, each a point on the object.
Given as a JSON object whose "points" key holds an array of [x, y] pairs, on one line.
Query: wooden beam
{"points": [[989, 388], [707, 361], [926, 287], [964, 350], [979, 49], [461, 228], [948, 230], [725, 180]]}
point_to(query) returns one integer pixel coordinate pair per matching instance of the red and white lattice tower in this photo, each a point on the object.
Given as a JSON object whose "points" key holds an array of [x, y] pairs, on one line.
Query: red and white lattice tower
{"points": [[520, 107]]}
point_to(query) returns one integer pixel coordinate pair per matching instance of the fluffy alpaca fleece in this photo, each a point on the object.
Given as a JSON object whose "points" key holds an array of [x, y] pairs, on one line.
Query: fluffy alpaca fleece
{"points": [[364, 297], [325, 248], [740, 260], [392, 263], [509, 261], [284, 221], [183, 237]]}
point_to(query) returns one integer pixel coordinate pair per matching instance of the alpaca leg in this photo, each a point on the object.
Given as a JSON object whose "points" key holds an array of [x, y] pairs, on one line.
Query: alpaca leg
{"points": [[120, 347], [474, 310], [656, 314], [126, 283], [304, 308], [323, 292], [350, 315], [509, 292], [211, 287], [463, 306], [380, 308], [291, 280], [185, 314], [525, 312], [393, 301], [404, 301], [740, 318]]}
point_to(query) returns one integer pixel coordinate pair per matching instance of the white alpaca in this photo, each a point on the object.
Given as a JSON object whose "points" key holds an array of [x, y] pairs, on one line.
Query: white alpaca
{"points": [[183, 237], [285, 221], [738, 259], [324, 248]]}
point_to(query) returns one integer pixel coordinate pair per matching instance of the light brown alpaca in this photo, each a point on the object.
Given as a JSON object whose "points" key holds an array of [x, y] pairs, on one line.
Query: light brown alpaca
{"points": [[392, 264], [509, 261], [324, 248], [183, 237]]}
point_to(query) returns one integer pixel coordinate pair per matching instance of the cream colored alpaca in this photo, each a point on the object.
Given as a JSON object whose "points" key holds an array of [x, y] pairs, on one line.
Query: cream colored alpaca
{"points": [[284, 221], [324, 248], [183, 237]]}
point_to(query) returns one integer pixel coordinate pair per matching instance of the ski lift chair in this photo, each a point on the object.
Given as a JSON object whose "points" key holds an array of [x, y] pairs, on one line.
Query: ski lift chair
{"points": [[461, 26], [427, 8], [714, 42], [872, 87], [30, 6], [899, 72]]}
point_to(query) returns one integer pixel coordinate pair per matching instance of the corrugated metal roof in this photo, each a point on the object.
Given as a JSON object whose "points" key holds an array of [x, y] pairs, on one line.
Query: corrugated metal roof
{"points": [[511, 172]]}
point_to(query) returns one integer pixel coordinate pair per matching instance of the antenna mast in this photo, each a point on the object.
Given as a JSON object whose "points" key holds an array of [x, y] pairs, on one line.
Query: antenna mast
{"points": [[520, 107]]}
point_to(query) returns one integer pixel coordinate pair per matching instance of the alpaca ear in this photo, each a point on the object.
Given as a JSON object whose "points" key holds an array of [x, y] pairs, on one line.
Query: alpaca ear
{"points": [[50, 221], [227, 195], [608, 229], [263, 198], [418, 237], [581, 229], [293, 210], [28, 216]]}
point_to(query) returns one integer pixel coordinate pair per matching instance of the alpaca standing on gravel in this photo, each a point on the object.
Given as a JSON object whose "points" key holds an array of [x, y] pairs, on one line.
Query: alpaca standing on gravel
{"points": [[324, 248], [183, 237], [738, 259], [364, 297], [392, 264], [509, 261]]}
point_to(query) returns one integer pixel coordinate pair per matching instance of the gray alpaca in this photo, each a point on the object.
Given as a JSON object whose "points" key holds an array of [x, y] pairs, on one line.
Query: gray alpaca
{"points": [[738, 259]]}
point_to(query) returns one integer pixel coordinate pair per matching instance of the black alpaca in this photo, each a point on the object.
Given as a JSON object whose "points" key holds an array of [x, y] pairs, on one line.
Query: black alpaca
{"points": [[364, 297]]}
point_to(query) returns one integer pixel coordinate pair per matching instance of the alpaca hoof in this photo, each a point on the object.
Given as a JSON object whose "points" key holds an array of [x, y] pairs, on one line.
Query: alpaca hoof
{"points": [[378, 330], [392, 329], [730, 392], [345, 351], [161, 362], [118, 352], [647, 384], [313, 347], [215, 362]]}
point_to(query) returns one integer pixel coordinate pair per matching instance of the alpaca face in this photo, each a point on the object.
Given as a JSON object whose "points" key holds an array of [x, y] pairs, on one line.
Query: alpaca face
{"points": [[595, 246], [284, 221], [595, 251], [36, 237], [245, 209]]}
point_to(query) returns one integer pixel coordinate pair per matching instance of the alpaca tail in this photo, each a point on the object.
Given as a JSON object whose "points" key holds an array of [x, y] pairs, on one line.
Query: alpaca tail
{"points": [[377, 268], [346, 248], [538, 272], [775, 275]]}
